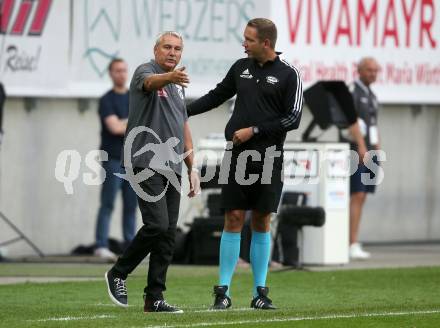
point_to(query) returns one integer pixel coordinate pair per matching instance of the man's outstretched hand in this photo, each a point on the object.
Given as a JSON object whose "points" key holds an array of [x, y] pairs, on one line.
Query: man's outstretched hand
{"points": [[179, 76]]}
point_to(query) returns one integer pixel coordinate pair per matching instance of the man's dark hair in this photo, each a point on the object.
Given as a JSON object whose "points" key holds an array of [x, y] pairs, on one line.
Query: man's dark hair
{"points": [[266, 29], [114, 60]]}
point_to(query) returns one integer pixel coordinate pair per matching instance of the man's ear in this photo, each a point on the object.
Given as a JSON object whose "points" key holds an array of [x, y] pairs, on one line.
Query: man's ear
{"points": [[267, 43]]}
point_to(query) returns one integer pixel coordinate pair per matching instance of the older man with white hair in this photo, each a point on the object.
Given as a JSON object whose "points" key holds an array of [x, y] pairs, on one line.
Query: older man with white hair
{"points": [[158, 110], [366, 105]]}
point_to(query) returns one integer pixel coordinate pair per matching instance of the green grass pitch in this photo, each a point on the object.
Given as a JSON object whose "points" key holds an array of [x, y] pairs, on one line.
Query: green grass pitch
{"points": [[356, 298]]}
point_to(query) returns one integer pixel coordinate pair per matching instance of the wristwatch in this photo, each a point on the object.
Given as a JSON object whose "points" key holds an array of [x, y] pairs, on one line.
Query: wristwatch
{"points": [[255, 130]]}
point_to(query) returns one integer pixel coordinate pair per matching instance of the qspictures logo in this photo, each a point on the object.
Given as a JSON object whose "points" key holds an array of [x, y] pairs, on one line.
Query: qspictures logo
{"points": [[163, 155], [300, 167], [18, 19]]}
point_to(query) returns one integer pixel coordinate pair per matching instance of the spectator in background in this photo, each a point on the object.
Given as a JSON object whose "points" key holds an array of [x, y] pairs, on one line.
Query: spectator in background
{"points": [[366, 105], [113, 112]]}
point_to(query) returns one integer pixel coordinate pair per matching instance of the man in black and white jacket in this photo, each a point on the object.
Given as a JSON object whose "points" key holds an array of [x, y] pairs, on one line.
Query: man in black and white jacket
{"points": [[268, 105]]}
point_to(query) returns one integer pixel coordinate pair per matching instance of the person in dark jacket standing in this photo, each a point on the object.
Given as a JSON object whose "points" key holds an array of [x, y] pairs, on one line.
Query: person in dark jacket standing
{"points": [[268, 105]]}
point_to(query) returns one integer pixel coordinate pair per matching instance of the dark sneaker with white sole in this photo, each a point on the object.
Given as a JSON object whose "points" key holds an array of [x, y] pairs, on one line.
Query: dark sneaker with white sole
{"points": [[261, 301], [117, 289], [159, 305], [221, 301]]}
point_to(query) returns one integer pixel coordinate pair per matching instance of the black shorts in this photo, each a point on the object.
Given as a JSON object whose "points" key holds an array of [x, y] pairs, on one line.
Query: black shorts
{"points": [[263, 195], [356, 184]]}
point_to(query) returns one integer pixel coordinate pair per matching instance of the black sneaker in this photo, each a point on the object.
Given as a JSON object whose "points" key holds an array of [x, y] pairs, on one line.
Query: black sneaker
{"points": [[117, 289], [262, 302], [221, 301], [158, 305]]}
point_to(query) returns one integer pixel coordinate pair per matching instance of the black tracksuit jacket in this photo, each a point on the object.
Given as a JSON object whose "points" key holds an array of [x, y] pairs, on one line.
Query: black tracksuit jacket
{"points": [[269, 97]]}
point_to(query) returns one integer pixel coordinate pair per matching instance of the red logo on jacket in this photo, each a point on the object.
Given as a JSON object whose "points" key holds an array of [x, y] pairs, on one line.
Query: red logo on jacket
{"points": [[162, 93]]}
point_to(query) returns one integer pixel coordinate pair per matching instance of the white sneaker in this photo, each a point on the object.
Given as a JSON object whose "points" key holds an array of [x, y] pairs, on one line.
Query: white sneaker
{"points": [[357, 253], [106, 254]]}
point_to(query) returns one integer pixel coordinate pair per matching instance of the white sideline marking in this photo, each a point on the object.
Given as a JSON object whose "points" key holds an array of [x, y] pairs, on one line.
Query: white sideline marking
{"points": [[228, 310], [189, 308], [103, 316], [242, 322], [333, 316]]}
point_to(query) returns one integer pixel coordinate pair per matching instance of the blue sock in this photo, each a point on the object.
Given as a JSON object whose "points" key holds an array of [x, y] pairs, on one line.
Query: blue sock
{"points": [[260, 256], [229, 253]]}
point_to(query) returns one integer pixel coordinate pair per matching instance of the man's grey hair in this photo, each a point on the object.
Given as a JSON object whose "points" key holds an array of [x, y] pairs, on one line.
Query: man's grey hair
{"points": [[366, 60], [172, 33]]}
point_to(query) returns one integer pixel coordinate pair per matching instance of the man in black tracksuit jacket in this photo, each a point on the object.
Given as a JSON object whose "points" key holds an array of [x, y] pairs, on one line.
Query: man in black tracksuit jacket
{"points": [[268, 104]]}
